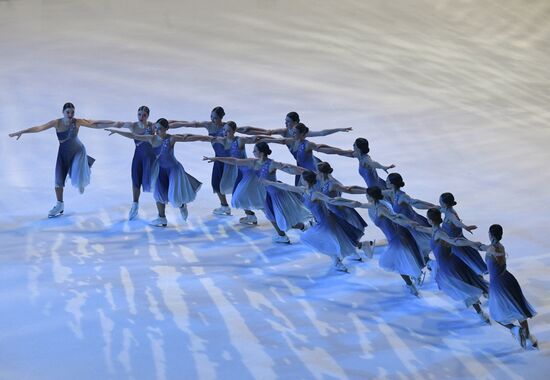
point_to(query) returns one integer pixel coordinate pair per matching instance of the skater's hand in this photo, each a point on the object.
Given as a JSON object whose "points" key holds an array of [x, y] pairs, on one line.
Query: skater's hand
{"points": [[111, 130], [347, 129], [389, 167], [482, 247], [470, 228], [208, 159], [16, 134]]}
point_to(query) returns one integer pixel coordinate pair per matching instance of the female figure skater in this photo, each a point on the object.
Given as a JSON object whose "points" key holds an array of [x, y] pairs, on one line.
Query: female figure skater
{"points": [[507, 303], [327, 235], [350, 220], [171, 184], [402, 254], [453, 276], [215, 129], [452, 225], [367, 166], [283, 210], [248, 193], [144, 156], [71, 156], [302, 149], [403, 204], [291, 121]]}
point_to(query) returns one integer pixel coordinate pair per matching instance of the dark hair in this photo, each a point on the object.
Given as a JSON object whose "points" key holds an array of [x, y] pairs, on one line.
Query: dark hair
{"points": [[448, 199], [232, 125], [293, 116], [496, 231], [375, 193], [363, 145], [163, 123], [302, 129], [144, 108], [68, 105], [324, 167], [263, 148], [434, 215], [396, 180], [219, 111], [309, 177]]}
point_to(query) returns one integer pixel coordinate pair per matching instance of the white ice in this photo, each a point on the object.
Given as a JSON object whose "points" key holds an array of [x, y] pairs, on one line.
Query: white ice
{"points": [[455, 93]]}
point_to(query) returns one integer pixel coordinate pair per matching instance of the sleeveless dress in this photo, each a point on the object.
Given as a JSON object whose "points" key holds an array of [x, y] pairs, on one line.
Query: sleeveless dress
{"points": [[304, 159], [218, 167], [171, 183], [349, 219], [72, 159], [402, 254], [467, 254], [507, 303], [422, 239], [281, 207], [143, 159], [370, 175], [327, 235], [248, 192], [454, 277]]}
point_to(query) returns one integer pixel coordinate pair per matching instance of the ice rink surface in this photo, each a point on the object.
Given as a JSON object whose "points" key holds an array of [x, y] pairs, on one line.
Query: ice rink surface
{"points": [[455, 93]]}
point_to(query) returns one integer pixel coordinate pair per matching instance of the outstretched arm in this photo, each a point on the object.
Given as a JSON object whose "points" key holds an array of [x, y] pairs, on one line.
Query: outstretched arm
{"points": [[188, 124], [38, 128], [354, 189], [416, 203], [95, 124], [193, 138], [288, 168], [111, 124], [284, 186], [398, 218], [457, 222], [338, 201], [374, 164], [273, 140], [326, 132], [232, 160], [458, 242], [260, 131], [130, 135], [327, 149]]}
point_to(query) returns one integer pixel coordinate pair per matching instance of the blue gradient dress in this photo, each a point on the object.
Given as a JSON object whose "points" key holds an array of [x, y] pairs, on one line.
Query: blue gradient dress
{"points": [[422, 239], [142, 162], [402, 254], [507, 303], [304, 159], [282, 207], [370, 175], [218, 167], [248, 192], [72, 159], [469, 255], [454, 277], [349, 219], [327, 235], [171, 183]]}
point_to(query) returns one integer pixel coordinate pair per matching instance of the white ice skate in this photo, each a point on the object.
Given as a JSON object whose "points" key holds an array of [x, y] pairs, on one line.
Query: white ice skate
{"points": [[484, 317], [184, 212], [56, 210], [249, 220], [367, 248], [413, 290], [339, 266], [133, 211], [222, 210], [161, 221], [532, 342], [281, 239]]}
